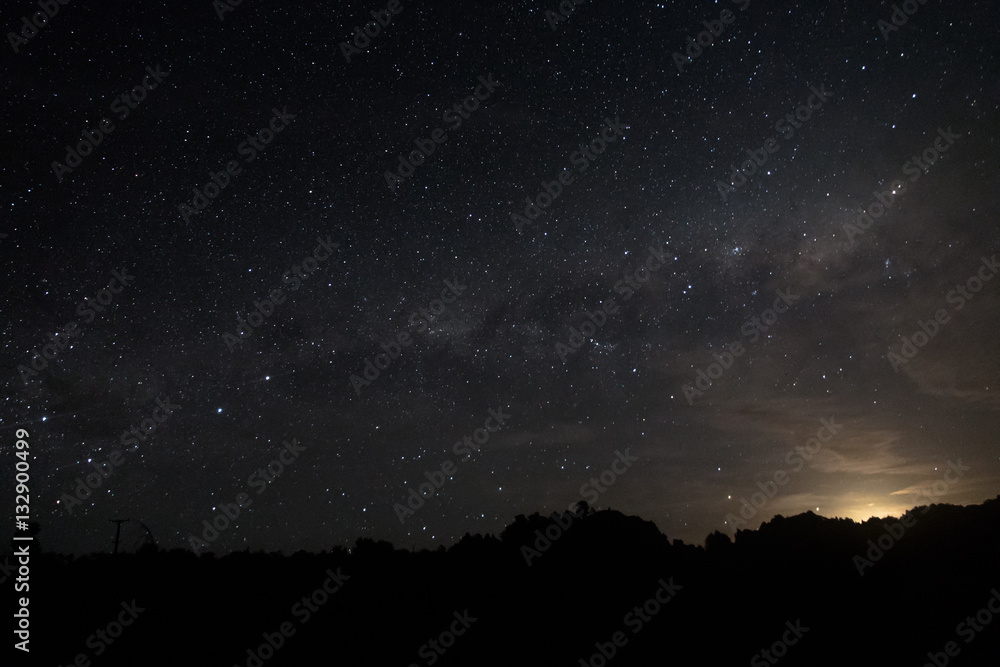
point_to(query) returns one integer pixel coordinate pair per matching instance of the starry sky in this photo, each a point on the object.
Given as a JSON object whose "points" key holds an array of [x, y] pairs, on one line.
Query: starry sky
{"points": [[654, 216]]}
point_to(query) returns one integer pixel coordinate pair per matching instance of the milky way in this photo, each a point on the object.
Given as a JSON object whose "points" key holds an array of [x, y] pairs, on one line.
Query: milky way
{"points": [[408, 280]]}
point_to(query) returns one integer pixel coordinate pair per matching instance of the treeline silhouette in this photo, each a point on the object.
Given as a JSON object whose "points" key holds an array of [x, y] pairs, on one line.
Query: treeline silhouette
{"points": [[730, 600]]}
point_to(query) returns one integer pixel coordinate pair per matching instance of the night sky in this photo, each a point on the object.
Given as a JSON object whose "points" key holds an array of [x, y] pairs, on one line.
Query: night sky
{"points": [[483, 292]]}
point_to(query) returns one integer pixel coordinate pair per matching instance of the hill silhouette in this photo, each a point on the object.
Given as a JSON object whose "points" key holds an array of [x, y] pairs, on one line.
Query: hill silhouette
{"points": [[590, 588]]}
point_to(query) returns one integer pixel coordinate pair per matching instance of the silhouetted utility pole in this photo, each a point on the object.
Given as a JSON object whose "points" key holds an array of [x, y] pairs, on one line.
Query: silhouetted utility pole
{"points": [[118, 531]]}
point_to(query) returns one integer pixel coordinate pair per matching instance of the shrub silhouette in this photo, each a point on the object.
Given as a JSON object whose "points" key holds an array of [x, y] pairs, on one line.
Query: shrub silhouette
{"points": [[736, 596]]}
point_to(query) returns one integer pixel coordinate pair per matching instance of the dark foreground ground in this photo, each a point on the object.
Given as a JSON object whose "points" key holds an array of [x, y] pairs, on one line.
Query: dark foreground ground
{"points": [[608, 584]]}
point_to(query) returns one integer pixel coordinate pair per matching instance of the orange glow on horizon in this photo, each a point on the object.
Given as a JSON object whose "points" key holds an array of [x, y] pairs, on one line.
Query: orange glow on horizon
{"points": [[878, 508]]}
